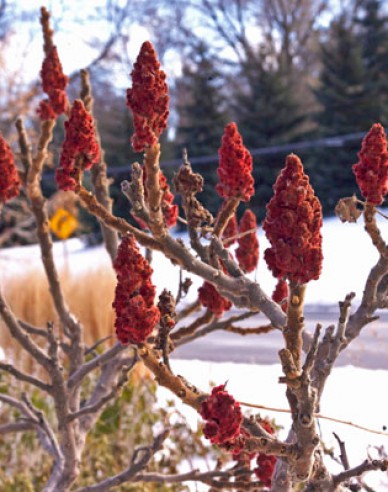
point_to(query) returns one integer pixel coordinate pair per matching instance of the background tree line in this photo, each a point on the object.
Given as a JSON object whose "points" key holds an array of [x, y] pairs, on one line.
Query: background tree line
{"points": [[284, 71]]}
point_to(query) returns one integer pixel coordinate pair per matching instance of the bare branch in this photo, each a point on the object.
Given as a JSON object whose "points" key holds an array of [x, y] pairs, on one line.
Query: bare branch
{"points": [[98, 173], [357, 471], [140, 459], [21, 376], [77, 377]]}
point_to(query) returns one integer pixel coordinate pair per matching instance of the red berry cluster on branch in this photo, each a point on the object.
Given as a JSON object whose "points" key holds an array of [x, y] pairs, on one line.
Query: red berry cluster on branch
{"points": [[372, 168], [170, 211], [148, 98], [280, 294], [9, 178], [235, 168], [229, 235], [223, 416], [136, 314], [210, 298], [265, 463], [80, 148], [292, 225], [247, 252], [54, 83]]}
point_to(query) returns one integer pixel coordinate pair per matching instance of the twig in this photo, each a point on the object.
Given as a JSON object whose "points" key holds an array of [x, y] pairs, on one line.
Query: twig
{"points": [[97, 405], [227, 210], [77, 377], [258, 330], [116, 223], [95, 345], [367, 465], [164, 377], [295, 323], [193, 475], [189, 330], [154, 192], [191, 308], [98, 172], [53, 447], [140, 459], [343, 453], [39, 208], [21, 376], [373, 231], [215, 325], [188, 184], [24, 340], [22, 426]]}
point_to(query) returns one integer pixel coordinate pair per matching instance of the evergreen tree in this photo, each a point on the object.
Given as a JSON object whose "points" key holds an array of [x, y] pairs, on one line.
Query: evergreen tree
{"points": [[374, 36], [267, 113], [345, 109], [201, 116]]}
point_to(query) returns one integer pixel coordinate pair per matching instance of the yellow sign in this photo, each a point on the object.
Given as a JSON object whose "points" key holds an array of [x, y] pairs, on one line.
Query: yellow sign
{"points": [[63, 223]]}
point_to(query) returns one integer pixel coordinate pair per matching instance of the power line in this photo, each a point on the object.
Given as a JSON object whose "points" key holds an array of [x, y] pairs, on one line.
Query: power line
{"points": [[336, 141]]}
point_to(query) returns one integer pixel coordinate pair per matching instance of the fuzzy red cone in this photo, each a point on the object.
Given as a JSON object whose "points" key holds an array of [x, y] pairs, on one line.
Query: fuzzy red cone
{"points": [[235, 168], [372, 168], [223, 416], [292, 225], [136, 314], [9, 178], [148, 98], [247, 252], [80, 148]]}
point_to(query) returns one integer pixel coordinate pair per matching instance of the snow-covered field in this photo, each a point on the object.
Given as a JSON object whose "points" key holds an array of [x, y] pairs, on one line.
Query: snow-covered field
{"points": [[352, 394]]}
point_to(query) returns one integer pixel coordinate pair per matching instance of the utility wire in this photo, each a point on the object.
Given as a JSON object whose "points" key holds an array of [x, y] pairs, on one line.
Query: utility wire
{"points": [[336, 141]]}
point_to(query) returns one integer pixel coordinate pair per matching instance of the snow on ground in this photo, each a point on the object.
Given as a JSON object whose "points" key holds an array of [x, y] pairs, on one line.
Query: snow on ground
{"points": [[352, 394]]}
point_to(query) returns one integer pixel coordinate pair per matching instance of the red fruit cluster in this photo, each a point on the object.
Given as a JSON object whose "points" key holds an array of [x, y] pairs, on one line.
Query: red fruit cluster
{"points": [[170, 211], [54, 83], [9, 178], [148, 99], [230, 232], [235, 168], [292, 225], [80, 148], [372, 168], [136, 314], [210, 298], [247, 252], [265, 463], [223, 416], [280, 294]]}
